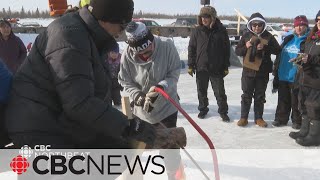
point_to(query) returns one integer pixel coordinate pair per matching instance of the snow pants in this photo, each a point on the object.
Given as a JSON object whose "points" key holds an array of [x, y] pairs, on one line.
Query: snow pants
{"points": [[287, 102], [309, 103], [217, 84], [253, 87]]}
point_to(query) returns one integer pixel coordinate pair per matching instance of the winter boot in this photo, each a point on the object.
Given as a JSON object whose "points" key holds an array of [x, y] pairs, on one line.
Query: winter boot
{"points": [[260, 122], [303, 130], [225, 117], [313, 137], [178, 174], [202, 114], [276, 123], [242, 122], [296, 126]]}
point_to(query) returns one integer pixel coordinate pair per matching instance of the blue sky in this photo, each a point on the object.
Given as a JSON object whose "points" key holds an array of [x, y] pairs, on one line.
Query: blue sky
{"points": [[269, 8]]}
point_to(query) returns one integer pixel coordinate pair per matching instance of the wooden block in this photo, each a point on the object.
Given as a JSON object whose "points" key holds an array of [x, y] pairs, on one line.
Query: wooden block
{"points": [[168, 138]]}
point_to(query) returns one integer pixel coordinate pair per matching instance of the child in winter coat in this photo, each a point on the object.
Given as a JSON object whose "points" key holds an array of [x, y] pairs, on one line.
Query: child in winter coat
{"points": [[114, 65]]}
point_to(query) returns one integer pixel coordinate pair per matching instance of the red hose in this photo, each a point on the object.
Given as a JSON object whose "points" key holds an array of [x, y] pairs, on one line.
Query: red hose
{"points": [[195, 125]]}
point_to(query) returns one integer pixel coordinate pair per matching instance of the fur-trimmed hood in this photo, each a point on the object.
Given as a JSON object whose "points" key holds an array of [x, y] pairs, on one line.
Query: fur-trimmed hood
{"points": [[256, 17]]}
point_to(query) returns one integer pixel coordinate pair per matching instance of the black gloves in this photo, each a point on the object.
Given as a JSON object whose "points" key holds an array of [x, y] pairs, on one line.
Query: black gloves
{"points": [[150, 98], [140, 130], [191, 71]]}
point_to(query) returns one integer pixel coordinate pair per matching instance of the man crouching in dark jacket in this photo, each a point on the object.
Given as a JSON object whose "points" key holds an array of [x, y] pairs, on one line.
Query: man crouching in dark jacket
{"points": [[61, 93], [257, 65], [208, 57]]}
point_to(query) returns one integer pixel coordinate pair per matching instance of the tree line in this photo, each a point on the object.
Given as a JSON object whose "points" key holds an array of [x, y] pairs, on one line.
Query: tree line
{"points": [[7, 13]]}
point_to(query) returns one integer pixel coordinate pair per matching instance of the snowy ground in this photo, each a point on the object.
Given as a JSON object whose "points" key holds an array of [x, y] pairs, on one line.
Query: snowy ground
{"points": [[248, 153], [229, 135]]}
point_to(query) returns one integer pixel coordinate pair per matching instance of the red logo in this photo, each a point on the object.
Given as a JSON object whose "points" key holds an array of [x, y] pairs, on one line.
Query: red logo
{"points": [[19, 164]]}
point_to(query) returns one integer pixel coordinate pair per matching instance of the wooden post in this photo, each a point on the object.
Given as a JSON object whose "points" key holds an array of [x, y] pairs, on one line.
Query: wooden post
{"points": [[126, 110]]}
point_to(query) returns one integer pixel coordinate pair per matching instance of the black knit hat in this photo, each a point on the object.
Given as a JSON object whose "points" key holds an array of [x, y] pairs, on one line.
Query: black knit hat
{"points": [[113, 11], [139, 36], [318, 14]]}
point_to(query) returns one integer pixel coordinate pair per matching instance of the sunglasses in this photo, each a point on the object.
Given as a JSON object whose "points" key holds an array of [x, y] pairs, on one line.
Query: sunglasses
{"points": [[257, 24]]}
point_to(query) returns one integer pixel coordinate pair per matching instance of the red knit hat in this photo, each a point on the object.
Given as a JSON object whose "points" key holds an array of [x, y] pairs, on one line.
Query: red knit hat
{"points": [[300, 21]]}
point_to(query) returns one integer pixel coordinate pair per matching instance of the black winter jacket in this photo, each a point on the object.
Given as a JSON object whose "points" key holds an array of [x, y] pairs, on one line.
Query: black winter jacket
{"points": [[209, 49], [311, 70], [63, 87], [271, 48]]}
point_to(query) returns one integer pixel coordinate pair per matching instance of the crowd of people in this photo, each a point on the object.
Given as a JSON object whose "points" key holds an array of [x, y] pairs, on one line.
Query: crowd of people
{"points": [[296, 72], [62, 92]]}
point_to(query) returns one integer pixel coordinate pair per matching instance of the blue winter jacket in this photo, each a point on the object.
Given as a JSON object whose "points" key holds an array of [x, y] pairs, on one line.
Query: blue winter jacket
{"points": [[5, 82], [287, 70]]}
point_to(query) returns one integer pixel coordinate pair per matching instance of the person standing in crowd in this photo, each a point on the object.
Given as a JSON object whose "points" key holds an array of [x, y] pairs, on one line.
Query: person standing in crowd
{"points": [[12, 50], [62, 91], [208, 58], [285, 73], [150, 62], [309, 92], [113, 62], [5, 85], [255, 77]]}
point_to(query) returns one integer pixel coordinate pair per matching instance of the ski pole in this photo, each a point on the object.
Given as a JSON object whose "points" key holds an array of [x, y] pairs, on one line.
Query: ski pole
{"points": [[195, 125]]}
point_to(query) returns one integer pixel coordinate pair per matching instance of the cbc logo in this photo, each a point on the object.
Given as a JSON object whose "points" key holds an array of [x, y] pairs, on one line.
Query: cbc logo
{"points": [[19, 164], [25, 151]]}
